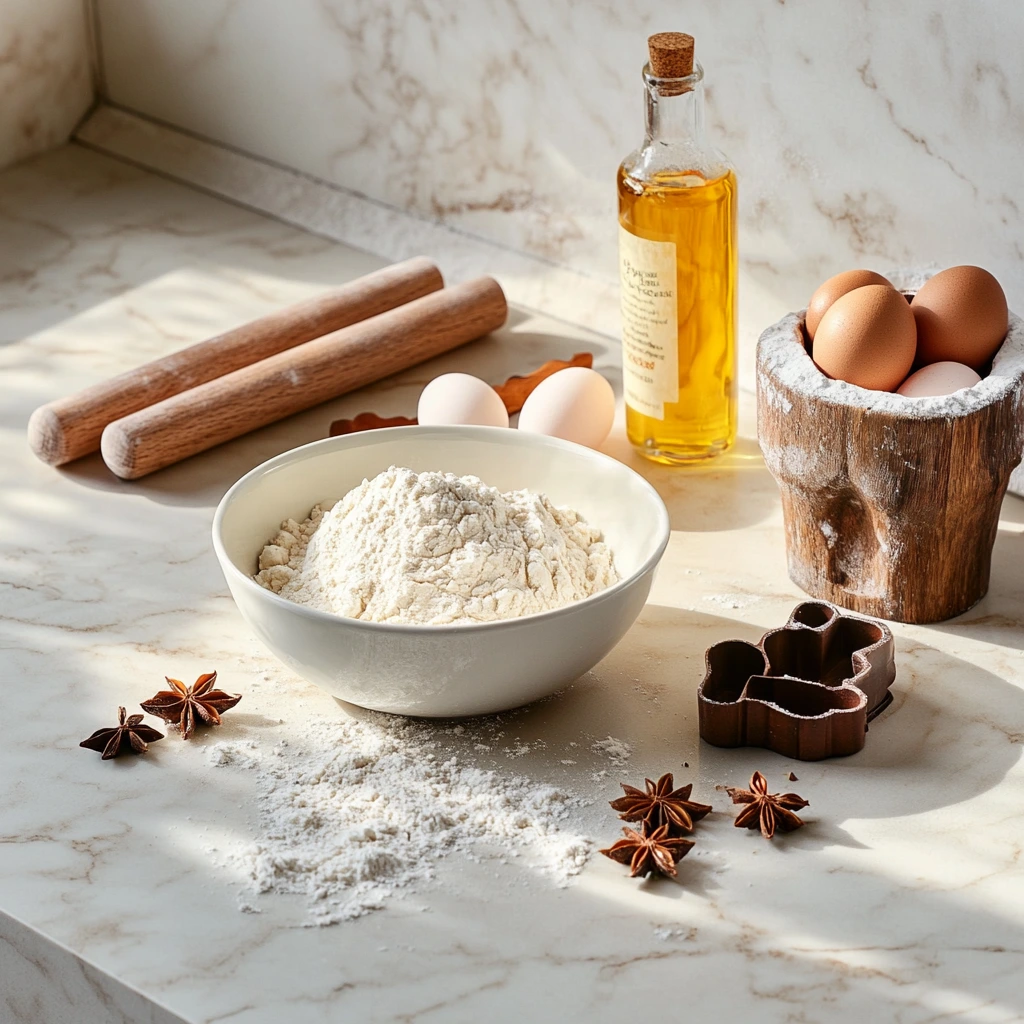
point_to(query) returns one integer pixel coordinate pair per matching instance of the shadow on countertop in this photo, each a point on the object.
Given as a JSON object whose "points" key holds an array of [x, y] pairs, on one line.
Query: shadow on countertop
{"points": [[953, 731]]}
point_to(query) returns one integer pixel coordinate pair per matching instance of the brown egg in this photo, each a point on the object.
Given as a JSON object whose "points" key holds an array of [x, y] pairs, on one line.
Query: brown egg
{"points": [[867, 338], [834, 288], [961, 317]]}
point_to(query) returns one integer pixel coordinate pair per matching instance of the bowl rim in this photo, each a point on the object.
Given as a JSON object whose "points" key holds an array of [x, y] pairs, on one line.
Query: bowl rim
{"points": [[500, 435]]}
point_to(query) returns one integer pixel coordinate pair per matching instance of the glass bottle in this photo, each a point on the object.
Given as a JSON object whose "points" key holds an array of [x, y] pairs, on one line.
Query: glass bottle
{"points": [[677, 256]]}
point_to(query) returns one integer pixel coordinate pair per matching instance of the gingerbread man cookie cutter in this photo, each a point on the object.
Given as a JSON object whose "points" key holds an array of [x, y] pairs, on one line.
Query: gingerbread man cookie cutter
{"points": [[807, 690]]}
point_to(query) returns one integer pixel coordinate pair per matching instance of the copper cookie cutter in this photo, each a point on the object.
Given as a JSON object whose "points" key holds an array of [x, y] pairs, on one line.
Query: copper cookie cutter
{"points": [[806, 691]]}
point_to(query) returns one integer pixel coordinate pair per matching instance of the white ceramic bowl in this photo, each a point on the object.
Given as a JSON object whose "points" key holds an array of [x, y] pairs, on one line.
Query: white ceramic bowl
{"points": [[443, 671]]}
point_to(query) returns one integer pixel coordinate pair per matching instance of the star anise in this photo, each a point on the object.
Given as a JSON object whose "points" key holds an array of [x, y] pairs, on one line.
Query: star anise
{"points": [[660, 805], [764, 810], [130, 736], [650, 850], [189, 705]]}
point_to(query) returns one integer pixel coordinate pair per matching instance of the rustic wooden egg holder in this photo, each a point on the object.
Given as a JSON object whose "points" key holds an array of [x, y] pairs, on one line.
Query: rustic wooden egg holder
{"points": [[806, 691], [891, 504]]}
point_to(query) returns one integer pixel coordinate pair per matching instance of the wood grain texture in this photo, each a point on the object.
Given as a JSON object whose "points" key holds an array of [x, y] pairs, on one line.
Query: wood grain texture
{"points": [[889, 515], [300, 378], [71, 427]]}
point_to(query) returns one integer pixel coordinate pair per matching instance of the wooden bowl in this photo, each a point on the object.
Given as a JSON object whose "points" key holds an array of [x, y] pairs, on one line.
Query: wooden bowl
{"points": [[891, 504]]}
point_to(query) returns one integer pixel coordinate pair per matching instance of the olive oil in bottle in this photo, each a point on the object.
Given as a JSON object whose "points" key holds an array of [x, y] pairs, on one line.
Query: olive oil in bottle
{"points": [[677, 256]]}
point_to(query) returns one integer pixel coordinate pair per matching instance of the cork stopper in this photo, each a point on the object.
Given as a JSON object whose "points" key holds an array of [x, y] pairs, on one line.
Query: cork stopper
{"points": [[671, 56]]}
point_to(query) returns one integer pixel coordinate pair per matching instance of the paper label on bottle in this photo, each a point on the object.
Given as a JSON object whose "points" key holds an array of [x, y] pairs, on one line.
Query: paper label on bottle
{"points": [[650, 331]]}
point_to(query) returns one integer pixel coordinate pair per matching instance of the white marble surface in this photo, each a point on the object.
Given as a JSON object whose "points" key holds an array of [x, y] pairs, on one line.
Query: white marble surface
{"points": [[901, 899], [350, 218], [46, 983], [45, 74], [864, 133]]}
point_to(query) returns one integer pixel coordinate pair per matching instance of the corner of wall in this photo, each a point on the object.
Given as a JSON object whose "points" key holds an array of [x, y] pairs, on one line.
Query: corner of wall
{"points": [[47, 74]]}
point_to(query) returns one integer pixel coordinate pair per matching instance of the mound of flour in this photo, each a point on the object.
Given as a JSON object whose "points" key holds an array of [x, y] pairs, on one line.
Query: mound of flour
{"points": [[360, 811], [435, 548]]}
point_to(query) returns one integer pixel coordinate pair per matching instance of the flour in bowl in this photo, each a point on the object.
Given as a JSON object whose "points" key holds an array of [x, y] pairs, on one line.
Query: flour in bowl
{"points": [[436, 549]]}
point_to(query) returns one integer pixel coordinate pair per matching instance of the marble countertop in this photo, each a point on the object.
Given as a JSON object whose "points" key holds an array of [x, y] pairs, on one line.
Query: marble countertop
{"points": [[903, 898]]}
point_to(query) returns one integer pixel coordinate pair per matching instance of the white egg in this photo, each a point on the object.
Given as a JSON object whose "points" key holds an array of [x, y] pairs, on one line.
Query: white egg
{"points": [[938, 379], [576, 404], [459, 399]]}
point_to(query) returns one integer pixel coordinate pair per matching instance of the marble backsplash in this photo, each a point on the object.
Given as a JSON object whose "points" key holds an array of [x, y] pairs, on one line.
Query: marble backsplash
{"points": [[872, 134], [45, 74]]}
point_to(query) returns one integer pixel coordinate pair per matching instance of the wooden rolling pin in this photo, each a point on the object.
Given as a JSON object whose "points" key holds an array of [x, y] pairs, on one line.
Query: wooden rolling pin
{"points": [[71, 427], [300, 378]]}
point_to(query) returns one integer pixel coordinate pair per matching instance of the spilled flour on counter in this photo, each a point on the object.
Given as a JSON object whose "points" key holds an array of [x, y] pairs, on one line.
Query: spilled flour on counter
{"points": [[367, 808], [736, 601], [437, 549], [616, 750]]}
